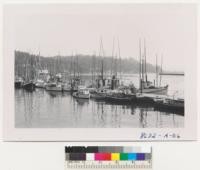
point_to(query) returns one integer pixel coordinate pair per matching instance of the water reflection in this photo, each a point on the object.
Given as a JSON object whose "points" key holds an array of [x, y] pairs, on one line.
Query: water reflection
{"points": [[56, 109]]}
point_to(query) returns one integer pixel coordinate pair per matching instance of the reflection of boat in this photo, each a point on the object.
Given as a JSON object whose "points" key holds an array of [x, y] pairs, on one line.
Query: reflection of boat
{"points": [[55, 93], [82, 101], [53, 86], [170, 104], [82, 93], [30, 86]]}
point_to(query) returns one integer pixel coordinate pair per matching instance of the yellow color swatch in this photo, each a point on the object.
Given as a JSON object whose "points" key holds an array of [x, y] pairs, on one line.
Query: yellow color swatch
{"points": [[115, 156]]}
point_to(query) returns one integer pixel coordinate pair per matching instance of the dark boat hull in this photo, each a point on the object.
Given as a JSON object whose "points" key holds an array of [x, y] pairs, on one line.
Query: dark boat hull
{"points": [[29, 86], [98, 96], [18, 84], [120, 99], [169, 107], [80, 96]]}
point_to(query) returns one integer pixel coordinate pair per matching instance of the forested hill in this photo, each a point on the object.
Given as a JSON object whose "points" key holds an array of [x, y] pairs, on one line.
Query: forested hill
{"points": [[80, 63]]}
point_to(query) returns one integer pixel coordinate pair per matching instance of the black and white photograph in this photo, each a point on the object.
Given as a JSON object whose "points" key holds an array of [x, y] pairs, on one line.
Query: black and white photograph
{"points": [[119, 67], [102, 66]]}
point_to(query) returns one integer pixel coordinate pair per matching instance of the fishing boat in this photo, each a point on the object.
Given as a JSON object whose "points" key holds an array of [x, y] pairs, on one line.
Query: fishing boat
{"points": [[42, 77], [72, 86], [29, 86], [123, 95], [170, 104], [100, 94], [147, 86], [67, 87], [120, 98], [18, 82], [40, 83], [53, 86], [82, 93]]}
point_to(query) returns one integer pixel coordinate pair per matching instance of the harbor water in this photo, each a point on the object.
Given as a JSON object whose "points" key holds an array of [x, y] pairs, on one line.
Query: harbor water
{"points": [[45, 109]]}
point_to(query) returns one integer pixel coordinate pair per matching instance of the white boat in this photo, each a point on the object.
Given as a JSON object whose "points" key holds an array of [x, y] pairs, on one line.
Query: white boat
{"points": [[82, 93], [53, 86], [40, 83], [155, 90], [67, 87]]}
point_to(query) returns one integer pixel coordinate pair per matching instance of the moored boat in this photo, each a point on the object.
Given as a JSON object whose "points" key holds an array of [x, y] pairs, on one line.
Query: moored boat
{"points": [[29, 86], [82, 93], [156, 90], [170, 104], [40, 84], [120, 97], [53, 86], [18, 82], [123, 95], [69, 88], [100, 94]]}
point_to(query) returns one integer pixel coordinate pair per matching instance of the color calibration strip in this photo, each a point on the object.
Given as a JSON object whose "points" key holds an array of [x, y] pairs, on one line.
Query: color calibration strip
{"points": [[108, 157]]}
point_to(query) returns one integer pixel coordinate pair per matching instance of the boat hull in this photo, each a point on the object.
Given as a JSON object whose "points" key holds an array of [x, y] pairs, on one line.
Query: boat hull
{"points": [[157, 90], [66, 89], [98, 96], [81, 96], [18, 84], [170, 105], [50, 88], [120, 98], [29, 86]]}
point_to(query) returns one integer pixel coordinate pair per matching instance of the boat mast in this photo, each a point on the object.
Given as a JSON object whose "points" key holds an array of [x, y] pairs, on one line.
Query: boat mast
{"points": [[142, 56], [74, 64], [93, 68], [145, 60], [31, 68], [156, 71], [161, 69], [102, 64], [113, 48], [140, 68], [77, 66], [71, 66], [120, 66]]}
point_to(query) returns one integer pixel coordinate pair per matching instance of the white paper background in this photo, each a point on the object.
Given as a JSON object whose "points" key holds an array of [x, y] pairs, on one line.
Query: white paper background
{"points": [[50, 155]]}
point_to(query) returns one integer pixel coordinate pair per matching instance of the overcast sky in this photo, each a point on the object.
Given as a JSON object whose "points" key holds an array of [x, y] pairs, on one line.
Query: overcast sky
{"points": [[169, 30]]}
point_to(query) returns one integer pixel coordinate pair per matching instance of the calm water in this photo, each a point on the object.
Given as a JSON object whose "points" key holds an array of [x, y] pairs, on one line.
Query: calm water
{"points": [[43, 109]]}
